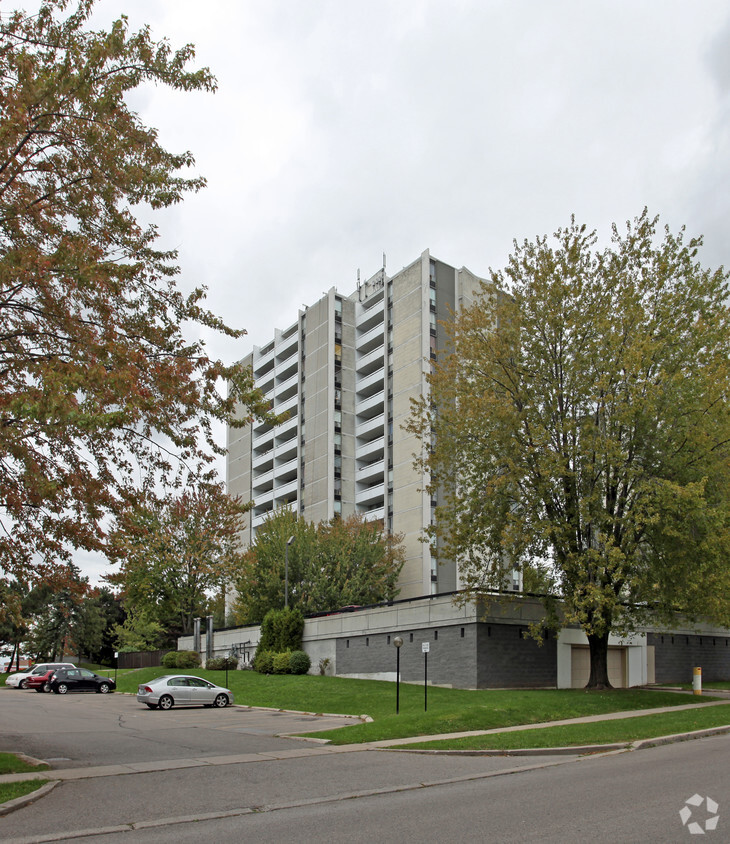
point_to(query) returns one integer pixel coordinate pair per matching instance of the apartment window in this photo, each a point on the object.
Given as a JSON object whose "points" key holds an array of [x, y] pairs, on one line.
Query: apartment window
{"points": [[432, 274], [338, 306], [338, 509]]}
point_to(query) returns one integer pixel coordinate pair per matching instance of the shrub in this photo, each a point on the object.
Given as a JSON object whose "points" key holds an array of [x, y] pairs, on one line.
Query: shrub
{"points": [[281, 630], [220, 663], [280, 663], [181, 659], [188, 659], [263, 662], [324, 664], [299, 663]]}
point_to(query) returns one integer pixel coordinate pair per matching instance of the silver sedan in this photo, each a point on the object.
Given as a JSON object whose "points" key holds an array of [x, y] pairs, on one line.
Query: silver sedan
{"points": [[182, 690]]}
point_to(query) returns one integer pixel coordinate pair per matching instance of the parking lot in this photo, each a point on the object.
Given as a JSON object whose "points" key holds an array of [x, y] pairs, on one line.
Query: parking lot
{"points": [[83, 730]]}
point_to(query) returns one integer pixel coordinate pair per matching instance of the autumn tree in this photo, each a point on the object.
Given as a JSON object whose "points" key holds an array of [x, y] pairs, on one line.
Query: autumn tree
{"points": [[333, 564], [173, 554], [579, 428], [101, 389]]}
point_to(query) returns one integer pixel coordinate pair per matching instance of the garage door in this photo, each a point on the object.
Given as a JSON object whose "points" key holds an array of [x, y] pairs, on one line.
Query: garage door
{"points": [[581, 667]]}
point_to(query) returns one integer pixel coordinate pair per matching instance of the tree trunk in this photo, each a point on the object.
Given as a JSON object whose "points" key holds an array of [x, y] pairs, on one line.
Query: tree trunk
{"points": [[599, 662]]}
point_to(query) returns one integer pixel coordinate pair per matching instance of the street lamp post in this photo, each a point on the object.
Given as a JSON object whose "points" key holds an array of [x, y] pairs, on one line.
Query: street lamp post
{"points": [[397, 641], [286, 572]]}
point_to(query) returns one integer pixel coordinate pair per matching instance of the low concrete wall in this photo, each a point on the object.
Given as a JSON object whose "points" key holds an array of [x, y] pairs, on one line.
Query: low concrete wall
{"points": [[677, 654]]}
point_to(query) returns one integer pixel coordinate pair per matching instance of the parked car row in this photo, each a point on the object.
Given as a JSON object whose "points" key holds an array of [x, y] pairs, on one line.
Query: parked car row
{"points": [[160, 693], [61, 678]]}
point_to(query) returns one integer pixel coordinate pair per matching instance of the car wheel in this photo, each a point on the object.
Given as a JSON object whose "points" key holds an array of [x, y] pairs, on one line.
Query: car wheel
{"points": [[104, 689], [46, 687], [151, 706], [23, 684], [221, 700], [61, 689], [166, 702]]}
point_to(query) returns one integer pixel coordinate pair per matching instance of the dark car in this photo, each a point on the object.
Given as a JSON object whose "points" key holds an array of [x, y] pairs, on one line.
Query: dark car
{"points": [[40, 682], [80, 680]]}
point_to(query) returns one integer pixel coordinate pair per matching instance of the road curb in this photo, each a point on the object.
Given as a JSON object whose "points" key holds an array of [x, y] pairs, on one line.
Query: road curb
{"points": [[580, 750], [26, 799]]}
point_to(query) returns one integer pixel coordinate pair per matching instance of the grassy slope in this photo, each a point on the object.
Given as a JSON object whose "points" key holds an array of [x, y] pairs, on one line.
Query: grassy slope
{"points": [[449, 710], [602, 732]]}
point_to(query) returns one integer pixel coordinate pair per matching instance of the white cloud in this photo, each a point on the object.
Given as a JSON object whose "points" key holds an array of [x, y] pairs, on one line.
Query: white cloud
{"points": [[343, 130]]}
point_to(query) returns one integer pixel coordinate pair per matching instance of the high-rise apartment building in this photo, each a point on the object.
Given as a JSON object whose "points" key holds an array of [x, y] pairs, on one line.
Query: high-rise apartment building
{"points": [[346, 371]]}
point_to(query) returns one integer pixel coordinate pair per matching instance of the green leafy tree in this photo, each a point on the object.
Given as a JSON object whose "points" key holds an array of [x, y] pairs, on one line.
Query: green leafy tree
{"points": [[330, 565], [174, 554], [101, 391], [138, 632], [579, 428], [69, 621]]}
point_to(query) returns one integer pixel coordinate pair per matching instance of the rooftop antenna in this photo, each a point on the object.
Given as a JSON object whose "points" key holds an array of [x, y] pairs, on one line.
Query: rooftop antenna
{"points": [[359, 298], [383, 260]]}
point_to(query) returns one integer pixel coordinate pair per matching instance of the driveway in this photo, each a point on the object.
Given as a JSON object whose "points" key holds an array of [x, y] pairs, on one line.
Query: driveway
{"points": [[87, 730]]}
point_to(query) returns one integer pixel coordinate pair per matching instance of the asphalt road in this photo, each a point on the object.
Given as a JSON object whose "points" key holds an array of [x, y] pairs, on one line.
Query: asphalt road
{"points": [[294, 791]]}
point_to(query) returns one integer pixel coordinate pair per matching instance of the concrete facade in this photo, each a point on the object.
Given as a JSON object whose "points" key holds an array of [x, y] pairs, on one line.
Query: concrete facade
{"points": [[484, 645], [345, 371]]}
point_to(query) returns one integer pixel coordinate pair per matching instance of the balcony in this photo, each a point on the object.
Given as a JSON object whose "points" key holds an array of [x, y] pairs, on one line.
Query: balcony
{"points": [[259, 517], [370, 340], [266, 384], [263, 483], [371, 450], [371, 406], [264, 440], [286, 451], [370, 472], [263, 359], [287, 345], [287, 388], [262, 462], [264, 500], [370, 383], [288, 492], [286, 471], [285, 369], [376, 514], [286, 430], [371, 429], [367, 318], [288, 406], [370, 362], [371, 495]]}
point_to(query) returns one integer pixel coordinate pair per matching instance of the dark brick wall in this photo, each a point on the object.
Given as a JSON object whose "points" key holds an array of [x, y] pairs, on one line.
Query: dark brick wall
{"points": [[508, 658], [451, 658], [676, 655]]}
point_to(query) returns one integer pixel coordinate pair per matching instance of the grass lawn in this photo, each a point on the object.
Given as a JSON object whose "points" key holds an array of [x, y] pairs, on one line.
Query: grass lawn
{"points": [[603, 732], [449, 710], [11, 764]]}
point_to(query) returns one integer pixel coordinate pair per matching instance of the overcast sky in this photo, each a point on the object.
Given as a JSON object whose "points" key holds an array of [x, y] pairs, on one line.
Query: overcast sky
{"points": [[343, 130]]}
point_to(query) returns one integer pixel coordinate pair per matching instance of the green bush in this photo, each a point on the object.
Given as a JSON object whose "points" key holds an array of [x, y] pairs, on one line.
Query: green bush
{"points": [[220, 663], [181, 659], [280, 664], [169, 660], [188, 659], [263, 662], [299, 662], [282, 630]]}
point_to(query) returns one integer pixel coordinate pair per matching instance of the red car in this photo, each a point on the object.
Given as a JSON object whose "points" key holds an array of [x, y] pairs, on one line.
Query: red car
{"points": [[40, 682]]}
